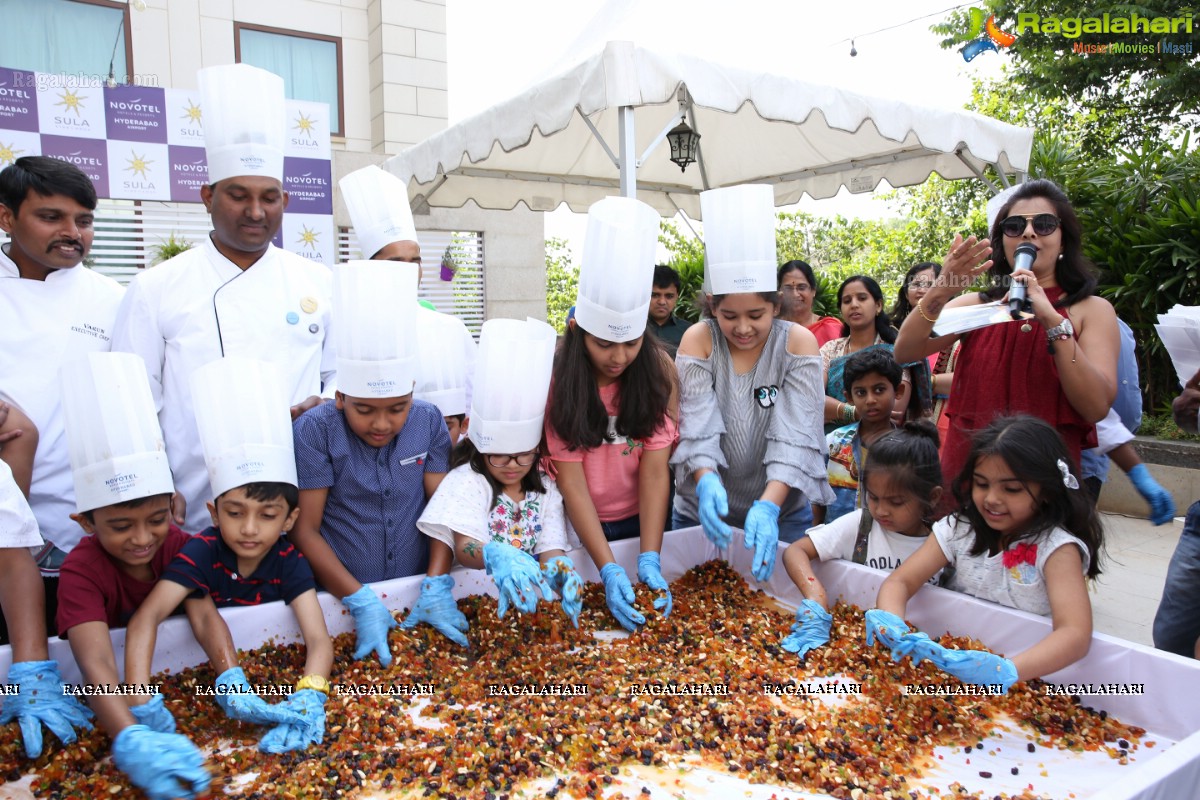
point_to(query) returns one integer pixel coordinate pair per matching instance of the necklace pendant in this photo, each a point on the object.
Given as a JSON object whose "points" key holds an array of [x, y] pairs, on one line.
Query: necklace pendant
{"points": [[1026, 328]]}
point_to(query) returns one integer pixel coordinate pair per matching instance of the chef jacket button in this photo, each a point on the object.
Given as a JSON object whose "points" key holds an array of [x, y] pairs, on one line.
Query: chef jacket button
{"points": [[314, 328], [292, 318]]}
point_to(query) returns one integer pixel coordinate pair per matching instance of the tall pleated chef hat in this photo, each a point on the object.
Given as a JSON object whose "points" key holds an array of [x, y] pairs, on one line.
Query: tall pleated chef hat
{"points": [[375, 303], [739, 239], [512, 380], [378, 204], [245, 423], [245, 121], [617, 273], [446, 354], [116, 447]]}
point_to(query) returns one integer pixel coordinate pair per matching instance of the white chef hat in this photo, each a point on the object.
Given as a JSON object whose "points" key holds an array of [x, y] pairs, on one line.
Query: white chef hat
{"points": [[245, 121], [739, 239], [378, 204], [994, 205], [618, 269], [243, 415], [512, 380], [116, 447], [446, 352], [375, 303]]}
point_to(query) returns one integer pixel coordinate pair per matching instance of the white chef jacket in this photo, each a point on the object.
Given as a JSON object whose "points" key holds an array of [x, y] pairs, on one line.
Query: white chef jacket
{"points": [[43, 325], [278, 310]]}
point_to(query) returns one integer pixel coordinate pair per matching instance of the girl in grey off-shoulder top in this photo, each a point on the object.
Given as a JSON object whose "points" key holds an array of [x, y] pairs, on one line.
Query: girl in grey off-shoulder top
{"points": [[764, 425]]}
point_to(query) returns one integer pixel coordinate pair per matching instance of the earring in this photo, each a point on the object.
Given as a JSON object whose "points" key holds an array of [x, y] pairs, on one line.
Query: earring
{"points": [[1060, 255]]}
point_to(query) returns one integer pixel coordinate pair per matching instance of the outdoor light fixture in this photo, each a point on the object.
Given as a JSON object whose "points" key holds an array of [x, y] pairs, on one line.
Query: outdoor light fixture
{"points": [[685, 143], [853, 49]]}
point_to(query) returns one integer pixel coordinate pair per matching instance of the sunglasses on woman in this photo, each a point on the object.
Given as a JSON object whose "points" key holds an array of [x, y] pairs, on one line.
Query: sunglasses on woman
{"points": [[1043, 224]]}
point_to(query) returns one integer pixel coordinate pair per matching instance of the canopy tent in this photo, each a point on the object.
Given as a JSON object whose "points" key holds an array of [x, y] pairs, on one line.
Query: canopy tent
{"points": [[593, 130]]}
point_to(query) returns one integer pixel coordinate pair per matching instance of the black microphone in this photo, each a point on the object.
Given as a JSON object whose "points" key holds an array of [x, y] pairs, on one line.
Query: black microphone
{"points": [[1023, 258]]}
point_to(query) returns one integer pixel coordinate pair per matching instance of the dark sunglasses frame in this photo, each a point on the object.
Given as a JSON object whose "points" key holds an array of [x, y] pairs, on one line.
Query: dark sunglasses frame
{"points": [[522, 459], [1043, 224]]}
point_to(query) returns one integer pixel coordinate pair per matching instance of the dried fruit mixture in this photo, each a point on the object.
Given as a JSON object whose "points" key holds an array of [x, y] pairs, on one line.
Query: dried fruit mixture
{"points": [[469, 745]]}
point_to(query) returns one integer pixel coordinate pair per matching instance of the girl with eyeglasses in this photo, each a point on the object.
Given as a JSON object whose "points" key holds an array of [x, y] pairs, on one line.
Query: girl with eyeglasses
{"points": [[797, 290], [504, 498], [1061, 364]]}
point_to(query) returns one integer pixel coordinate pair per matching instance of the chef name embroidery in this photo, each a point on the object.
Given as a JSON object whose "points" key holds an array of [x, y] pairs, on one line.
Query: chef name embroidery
{"points": [[90, 330]]}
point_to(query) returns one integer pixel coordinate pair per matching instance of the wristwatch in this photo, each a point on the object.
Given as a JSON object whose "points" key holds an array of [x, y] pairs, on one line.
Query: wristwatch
{"points": [[315, 682], [1063, 330]]}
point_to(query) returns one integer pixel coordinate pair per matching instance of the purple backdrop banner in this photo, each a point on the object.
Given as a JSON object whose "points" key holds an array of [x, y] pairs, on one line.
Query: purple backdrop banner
{"points": [[136, 114], [18, 100], [90, 155], [307, 182]]}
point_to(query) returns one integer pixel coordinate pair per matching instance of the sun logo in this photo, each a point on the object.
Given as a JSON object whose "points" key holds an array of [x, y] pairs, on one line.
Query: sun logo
{"points": [[70, 101], [984, 36], [138, 165], [305, 125], [308, 238], [192, 113], [8, 154]]}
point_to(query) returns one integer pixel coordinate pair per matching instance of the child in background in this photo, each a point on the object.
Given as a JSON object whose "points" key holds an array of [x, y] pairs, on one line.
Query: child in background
{"points": [[494, 508], [903, 484], [123, 491], [751, 446], [613, 403], [368, 463], [1025, 535], [873, 381], [244, 559]]}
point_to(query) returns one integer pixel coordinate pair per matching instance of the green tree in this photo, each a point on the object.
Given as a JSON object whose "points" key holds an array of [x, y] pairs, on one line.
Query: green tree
{"points": [[562, 282]]}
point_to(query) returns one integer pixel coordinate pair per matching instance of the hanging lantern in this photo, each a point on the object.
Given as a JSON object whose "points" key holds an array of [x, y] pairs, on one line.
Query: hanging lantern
{"points": [[685, 144]]}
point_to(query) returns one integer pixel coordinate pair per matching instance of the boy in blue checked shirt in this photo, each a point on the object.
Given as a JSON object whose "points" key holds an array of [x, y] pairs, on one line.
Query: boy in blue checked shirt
{"points": [[369, 462], [245, 559]]}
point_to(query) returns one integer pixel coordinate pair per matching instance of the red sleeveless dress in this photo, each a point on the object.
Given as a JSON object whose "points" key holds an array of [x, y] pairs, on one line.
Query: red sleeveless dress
{"points": [[1000, 371]]}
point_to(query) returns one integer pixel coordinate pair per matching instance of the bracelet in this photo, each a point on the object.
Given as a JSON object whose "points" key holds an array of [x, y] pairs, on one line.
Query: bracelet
{"points": [[921, 311], [848, 413]]}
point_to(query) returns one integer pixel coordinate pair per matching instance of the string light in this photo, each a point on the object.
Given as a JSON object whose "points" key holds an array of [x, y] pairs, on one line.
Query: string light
{"points": [[850, 39]]}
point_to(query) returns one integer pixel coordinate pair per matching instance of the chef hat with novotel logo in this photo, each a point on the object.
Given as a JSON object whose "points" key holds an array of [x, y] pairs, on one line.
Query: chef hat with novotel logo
{"points": [[512, 380], [116, 447], [375, 303], [244, 417], [739, 239], [617, 275], [245, 121]]}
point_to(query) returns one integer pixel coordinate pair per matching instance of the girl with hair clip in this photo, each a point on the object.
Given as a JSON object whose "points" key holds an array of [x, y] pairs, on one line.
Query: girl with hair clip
{"points": [[797, 290], [865, 324], [1024, 535], [751, 450], [902, 483], [610, 421], [1060, 365]]}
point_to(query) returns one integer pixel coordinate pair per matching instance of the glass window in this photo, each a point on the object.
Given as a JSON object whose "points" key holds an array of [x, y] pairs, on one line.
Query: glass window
{"points": [[71, 37], [310, 65]]}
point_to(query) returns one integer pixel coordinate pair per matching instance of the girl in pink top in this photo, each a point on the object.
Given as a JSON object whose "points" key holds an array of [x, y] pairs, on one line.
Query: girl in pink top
{"points": [[610, 427]]}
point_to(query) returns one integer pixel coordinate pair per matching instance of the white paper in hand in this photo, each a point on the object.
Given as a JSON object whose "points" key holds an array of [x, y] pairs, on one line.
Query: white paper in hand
{"points": [[969, 318], [1179, 330]]}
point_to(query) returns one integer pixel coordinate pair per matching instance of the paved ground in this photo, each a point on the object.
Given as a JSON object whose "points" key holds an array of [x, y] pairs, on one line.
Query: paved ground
{"points": [[1126, 595]]}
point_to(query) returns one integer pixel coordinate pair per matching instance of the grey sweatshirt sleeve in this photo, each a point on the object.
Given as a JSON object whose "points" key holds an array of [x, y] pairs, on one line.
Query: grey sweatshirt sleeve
{"points": [[700, 422]]}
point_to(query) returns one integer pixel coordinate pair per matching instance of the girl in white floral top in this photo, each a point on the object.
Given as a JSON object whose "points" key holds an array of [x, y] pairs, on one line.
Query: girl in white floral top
{"points": [[501, 498]]}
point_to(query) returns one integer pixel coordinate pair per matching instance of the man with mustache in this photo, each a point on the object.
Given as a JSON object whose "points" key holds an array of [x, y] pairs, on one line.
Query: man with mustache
{"points": [[53, 310]]}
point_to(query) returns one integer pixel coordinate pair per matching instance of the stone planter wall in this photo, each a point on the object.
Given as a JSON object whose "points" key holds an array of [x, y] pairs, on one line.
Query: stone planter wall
{"points": [[1176, 465]]}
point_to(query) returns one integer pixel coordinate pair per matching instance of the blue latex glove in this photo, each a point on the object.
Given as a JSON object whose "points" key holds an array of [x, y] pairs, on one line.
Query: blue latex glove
{"points": [[238, 701], [762, 534], [1162, 505], [886, 627], [917, 646], [713, 504], [40, 701], [650, 573], [308, 706], [154, 715], [618, 593], [163, 765], [977, 667], [436, 607], [810, 630], [516, 574], [372, 621], [565, 581]]}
